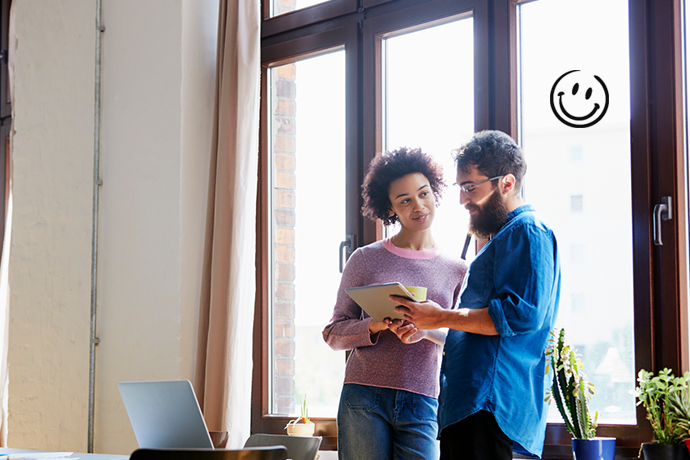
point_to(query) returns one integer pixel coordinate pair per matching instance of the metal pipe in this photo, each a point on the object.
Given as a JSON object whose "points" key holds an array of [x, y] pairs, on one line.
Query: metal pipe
{"points": [[94, 219]]}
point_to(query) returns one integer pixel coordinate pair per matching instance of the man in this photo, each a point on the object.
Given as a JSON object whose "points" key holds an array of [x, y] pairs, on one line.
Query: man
{"points": [[492, 376]]}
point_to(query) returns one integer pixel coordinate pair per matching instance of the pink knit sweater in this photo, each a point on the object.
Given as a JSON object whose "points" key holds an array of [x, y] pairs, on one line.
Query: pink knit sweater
{"points": [[382, 359]]}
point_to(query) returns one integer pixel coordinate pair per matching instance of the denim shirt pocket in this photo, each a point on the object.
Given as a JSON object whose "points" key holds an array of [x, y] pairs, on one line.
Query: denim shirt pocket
{"points": [[479, 281]]}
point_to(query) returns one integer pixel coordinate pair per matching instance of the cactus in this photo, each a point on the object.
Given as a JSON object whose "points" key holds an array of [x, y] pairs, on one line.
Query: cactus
{"points": [[570, 388]]}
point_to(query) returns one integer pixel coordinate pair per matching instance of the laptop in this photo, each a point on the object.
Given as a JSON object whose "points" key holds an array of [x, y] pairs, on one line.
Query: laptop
{"points": [[165, 414]]}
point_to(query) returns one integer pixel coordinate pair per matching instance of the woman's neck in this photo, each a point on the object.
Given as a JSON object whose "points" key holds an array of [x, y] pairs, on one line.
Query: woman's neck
{"points": [[419, 241]]}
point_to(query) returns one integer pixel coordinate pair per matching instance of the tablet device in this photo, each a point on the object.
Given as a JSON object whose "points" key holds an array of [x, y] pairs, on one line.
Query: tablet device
{"points": [[374, 299]]}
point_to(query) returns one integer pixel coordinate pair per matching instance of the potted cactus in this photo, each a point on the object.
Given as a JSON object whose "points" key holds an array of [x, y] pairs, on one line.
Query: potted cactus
{"points": [[571, 392]]}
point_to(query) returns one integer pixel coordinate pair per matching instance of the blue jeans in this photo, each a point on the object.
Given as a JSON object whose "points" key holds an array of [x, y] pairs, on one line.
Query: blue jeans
{"points": [[381, 424]]}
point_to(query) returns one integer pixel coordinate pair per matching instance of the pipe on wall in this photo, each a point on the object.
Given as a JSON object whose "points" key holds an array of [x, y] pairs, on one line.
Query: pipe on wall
{"points": [[97, 182]]}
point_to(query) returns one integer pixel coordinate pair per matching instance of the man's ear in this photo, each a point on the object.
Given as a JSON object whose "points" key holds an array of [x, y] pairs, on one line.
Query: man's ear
{"points": [[507, 183]]}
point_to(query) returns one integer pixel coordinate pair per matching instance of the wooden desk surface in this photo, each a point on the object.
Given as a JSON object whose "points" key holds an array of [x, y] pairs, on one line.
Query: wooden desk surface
{"points": [[74, 456], [323, 455]]}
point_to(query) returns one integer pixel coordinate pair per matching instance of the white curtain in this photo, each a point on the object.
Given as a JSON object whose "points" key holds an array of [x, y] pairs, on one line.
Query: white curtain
{"points": [[224, 362]]}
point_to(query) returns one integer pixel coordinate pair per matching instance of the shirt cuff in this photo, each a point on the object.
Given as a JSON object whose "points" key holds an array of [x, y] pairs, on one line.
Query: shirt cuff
{"points": [[499, 318]]}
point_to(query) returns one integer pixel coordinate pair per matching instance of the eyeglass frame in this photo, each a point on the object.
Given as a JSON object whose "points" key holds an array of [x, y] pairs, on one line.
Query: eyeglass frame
{"points": [[468, 188]]}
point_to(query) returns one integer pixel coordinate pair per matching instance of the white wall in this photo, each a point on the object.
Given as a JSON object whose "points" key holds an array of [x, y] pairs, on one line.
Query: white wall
{"points": [[157, 95]]}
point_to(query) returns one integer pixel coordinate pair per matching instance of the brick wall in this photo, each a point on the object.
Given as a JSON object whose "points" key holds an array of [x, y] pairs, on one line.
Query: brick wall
{"points": [[284, 180], [283, 6]]}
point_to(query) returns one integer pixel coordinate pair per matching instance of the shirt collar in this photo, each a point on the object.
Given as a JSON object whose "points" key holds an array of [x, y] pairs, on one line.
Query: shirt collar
{"points": [[519, 210], [513, 214]]}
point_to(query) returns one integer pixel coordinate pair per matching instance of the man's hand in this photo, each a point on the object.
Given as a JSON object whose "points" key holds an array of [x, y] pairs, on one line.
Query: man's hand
{"points": [[406, 331], [424, 315], [429, 315]]}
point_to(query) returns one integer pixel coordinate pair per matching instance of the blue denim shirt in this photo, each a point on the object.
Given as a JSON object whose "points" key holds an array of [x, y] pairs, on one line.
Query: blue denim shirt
{"points": [[517, 275]]}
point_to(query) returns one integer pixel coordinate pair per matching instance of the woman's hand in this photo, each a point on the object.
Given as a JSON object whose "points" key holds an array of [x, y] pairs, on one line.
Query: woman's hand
{"points": [[378, 326], [406, 331]]}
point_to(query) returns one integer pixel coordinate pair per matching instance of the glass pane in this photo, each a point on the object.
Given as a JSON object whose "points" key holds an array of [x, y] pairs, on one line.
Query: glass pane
{"points": [[579, 180], [308, 196], [429, 103], [279, 7]]}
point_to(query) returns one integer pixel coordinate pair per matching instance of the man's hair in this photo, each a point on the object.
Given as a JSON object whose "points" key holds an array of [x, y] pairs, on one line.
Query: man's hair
{"points": [[493, 153], [388, 167]]}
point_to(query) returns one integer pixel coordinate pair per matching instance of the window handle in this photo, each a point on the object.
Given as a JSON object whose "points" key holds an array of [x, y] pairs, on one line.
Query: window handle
{"points": [[663, 211], [349, 246]]}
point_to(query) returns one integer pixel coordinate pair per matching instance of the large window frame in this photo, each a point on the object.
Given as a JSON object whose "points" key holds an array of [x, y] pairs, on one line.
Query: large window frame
{"points": [[658, 159]]}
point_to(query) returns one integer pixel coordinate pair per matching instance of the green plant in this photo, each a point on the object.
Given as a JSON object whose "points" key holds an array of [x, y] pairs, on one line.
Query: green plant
{"points": [[570, 388], [304, 410], [679, 405], [304, 413], [665, 397]]}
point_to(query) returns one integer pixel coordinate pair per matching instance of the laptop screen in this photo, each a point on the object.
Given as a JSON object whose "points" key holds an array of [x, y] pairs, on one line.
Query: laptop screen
{"points": [[165, 414]]}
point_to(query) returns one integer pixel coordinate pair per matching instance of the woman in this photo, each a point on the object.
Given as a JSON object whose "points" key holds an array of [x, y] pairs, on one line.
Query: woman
{"points": [[388, 403]]}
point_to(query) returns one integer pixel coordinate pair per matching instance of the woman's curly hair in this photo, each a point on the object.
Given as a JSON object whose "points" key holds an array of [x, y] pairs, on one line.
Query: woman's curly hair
{"points": [[388, 167]]}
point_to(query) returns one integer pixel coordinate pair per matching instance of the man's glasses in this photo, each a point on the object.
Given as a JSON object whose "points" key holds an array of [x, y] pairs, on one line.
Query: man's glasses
{"points": [[467, 188]]}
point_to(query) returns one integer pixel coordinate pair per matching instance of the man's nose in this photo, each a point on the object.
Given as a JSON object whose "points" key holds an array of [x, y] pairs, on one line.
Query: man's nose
{"points": [[464, 198]]}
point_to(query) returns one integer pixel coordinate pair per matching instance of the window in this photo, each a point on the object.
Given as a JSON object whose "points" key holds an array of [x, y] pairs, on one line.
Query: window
{"points": [[576, 203], [437, 118], [598, 187], [279, 7], [576, 154], [307, 147], [428, 74]]}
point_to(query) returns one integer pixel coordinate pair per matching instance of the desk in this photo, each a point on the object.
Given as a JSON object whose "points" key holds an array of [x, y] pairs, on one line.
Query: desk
{"points": [[75, 455], [328, 455], [323, 455]]}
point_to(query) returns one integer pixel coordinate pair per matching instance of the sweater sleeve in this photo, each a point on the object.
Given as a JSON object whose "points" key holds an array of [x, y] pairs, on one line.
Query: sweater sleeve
{"points": [[349, 325]]}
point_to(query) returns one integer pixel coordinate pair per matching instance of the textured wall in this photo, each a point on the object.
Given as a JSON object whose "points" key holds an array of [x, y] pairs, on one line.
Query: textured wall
{"points": [[157, 92], [51, 245]]}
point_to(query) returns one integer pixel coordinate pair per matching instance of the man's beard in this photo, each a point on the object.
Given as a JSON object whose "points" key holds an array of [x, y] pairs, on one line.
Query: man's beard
{"points": [[490, 218]]}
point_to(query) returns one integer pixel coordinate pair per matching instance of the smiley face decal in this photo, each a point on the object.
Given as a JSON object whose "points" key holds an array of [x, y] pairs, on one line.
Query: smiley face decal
{"points": [[578, 100]]}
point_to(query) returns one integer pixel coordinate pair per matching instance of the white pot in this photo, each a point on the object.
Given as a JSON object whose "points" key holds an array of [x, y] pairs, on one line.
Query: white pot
{"points": [[301, 429]]}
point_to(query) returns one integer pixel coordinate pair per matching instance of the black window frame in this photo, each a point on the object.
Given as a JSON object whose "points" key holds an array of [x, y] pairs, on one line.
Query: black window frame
{"points": [[658, 159]]}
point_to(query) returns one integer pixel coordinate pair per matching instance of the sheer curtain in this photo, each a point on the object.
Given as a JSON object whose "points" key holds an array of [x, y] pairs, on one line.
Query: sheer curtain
{"points": [[224, 360]]}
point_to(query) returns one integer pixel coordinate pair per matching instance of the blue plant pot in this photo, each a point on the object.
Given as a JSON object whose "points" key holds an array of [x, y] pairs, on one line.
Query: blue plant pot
{"points": [[594, 449]]}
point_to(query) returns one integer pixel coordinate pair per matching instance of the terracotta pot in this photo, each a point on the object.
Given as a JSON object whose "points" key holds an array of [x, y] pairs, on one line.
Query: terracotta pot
{"points": [[594, 449], [656, 451]]}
